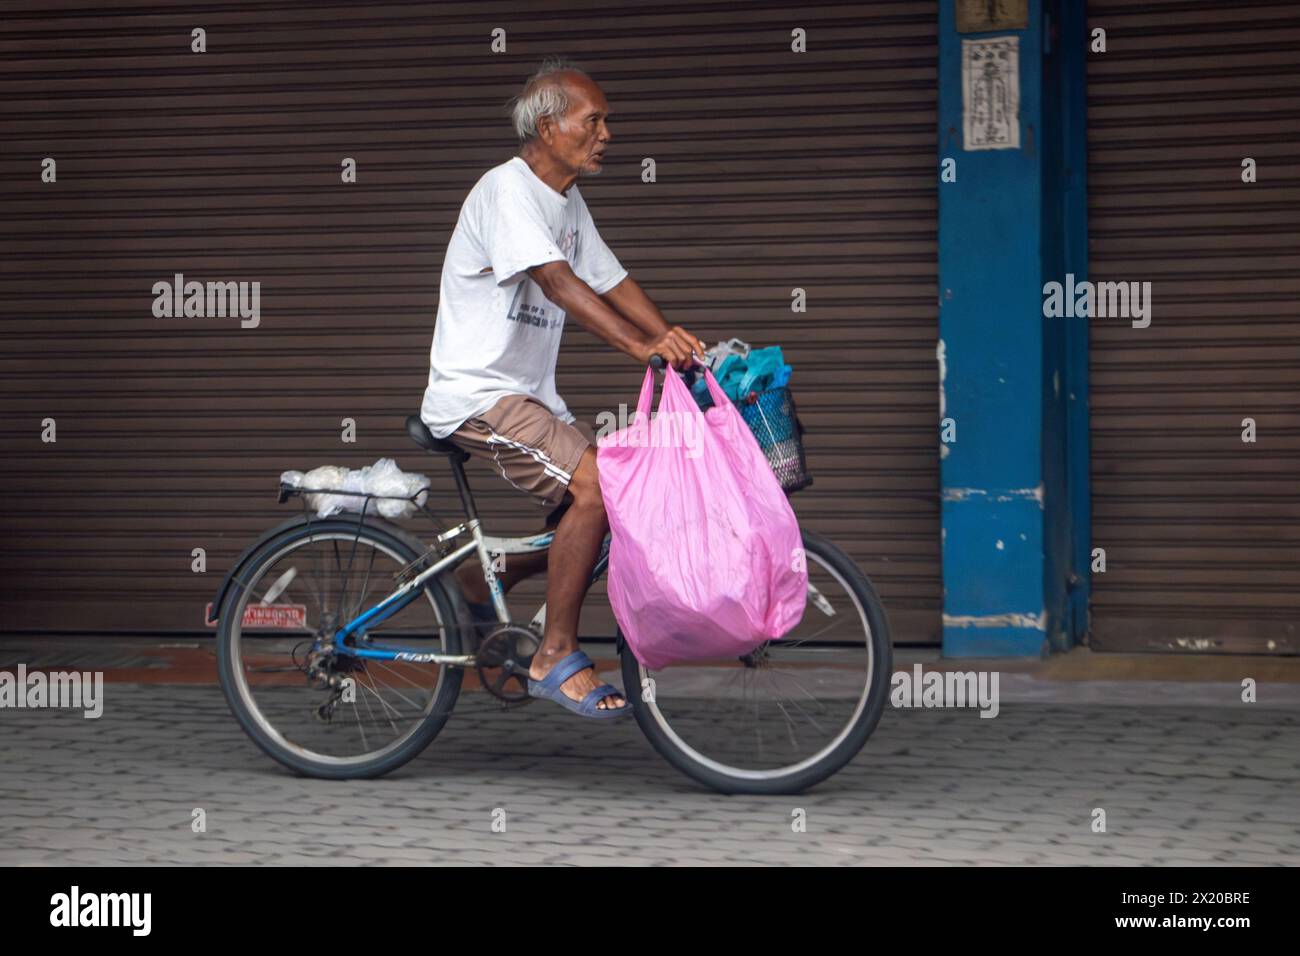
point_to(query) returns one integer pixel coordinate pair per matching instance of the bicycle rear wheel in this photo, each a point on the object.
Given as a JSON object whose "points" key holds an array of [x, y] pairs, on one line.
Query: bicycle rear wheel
{"points": [[288, 697], [788, 715]]}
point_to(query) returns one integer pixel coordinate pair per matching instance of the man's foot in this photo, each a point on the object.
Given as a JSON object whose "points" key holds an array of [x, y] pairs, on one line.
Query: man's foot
{"points": [[577, 687]]}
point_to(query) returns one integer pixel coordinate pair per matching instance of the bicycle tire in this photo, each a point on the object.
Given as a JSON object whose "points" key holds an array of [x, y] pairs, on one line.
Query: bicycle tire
{"points": [[862, 726], [442, 701]]}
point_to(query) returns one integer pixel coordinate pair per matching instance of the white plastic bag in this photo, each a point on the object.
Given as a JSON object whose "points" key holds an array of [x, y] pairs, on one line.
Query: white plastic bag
{"points": [[713, 357], [383, 478]]}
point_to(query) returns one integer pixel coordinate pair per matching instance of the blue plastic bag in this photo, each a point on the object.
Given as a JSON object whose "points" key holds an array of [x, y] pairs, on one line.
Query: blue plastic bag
{"points": [[760, 370]]}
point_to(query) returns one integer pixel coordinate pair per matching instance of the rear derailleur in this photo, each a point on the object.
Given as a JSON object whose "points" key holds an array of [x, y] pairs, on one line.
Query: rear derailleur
{"points": [[328, 670]]}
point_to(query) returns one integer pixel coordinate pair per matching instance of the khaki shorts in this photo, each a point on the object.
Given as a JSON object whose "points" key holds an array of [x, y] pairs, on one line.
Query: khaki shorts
{"points": [[527, 445]]}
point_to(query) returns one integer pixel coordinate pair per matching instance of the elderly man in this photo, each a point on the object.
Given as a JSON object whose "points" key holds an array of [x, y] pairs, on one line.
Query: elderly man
{"points": [[525, 253]]}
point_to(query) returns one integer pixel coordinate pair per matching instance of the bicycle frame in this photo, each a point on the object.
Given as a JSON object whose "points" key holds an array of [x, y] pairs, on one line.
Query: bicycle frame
{"points": [[485, 546]]}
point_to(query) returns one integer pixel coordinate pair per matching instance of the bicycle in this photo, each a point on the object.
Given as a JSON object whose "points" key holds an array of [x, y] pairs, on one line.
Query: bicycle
{"points": [[777, 720]]}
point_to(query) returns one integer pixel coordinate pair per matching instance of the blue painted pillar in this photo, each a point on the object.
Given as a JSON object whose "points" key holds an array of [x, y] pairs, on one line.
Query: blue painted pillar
{"points": [[1009, 530]]}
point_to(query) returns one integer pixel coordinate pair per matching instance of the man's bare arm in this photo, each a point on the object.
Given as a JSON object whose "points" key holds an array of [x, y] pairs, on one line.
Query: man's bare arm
{"points": [[559, 284], [629, 300]]}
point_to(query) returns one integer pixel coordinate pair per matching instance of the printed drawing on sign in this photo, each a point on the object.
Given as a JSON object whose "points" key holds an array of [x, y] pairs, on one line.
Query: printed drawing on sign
{"points": [[990, 93]]}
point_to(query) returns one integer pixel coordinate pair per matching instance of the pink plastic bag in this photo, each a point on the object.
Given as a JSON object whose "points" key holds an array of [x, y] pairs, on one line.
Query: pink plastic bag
{"points": [[705, 560]]}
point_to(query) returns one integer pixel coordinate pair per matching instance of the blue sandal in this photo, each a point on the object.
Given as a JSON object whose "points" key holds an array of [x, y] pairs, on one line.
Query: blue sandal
{"points": [[548, 688]]}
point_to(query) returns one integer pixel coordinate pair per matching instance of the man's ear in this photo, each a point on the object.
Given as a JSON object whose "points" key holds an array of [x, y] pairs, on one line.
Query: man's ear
{"points": [[546, 129]]}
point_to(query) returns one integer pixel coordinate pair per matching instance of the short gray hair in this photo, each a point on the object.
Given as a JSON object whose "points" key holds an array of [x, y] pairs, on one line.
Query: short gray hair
{"points": [[543, 95]]}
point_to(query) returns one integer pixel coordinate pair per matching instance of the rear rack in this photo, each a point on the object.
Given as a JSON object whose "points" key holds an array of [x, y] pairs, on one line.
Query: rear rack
{"points": [[288, 491]]}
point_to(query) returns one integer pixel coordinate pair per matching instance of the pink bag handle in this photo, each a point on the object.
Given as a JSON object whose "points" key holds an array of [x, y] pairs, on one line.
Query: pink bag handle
{"points": [[719, 396], [648, 389], [647, 396]]}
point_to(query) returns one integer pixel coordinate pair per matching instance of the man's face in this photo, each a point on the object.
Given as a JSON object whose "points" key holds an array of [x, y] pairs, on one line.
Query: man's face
{"points": [[578, 143]]}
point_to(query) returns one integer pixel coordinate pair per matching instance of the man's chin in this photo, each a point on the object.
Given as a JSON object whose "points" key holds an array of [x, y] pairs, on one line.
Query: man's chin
{"points": [[593, 168]]}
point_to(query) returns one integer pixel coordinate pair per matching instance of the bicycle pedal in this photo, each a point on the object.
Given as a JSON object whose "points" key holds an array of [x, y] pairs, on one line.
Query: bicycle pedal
{"points": [[519, 670]]}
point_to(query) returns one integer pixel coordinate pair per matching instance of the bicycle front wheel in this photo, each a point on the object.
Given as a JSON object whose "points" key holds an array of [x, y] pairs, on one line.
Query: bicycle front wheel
{"points": [[334, 715], [788, 715]]}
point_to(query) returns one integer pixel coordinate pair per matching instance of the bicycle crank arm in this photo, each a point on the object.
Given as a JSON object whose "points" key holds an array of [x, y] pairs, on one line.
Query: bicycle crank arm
{"points": [[519, 670]]}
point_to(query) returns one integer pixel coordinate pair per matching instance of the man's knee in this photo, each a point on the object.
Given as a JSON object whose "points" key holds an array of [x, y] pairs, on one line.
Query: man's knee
{"points": [[585, 484]]}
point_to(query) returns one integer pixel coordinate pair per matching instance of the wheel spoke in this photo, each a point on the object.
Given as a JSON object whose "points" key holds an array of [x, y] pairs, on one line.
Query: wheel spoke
{"points": [[796, 705], [389, 710], [398, 693], [365, 589], [789, 726], [360, 727], [396, 673]]}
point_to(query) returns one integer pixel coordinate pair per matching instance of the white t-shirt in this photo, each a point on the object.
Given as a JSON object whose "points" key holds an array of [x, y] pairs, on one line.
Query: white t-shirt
{"points": [[496, 333]]}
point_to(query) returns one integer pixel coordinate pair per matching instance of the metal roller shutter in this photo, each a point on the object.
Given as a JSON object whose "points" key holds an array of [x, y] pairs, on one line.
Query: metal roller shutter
{"points": [[1201, 530], [775, 170]]}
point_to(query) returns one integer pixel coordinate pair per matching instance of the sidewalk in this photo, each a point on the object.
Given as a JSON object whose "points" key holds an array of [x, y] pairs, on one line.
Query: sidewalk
{"points": [[1080, 677], [1181, 784]]}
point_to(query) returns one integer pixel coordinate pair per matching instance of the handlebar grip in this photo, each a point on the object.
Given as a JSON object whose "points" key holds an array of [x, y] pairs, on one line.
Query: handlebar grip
{"points": [[659, 363]]}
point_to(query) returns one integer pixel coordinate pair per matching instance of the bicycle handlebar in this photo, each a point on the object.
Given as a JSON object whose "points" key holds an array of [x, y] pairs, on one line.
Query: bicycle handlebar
{"points": [[659, 363]]}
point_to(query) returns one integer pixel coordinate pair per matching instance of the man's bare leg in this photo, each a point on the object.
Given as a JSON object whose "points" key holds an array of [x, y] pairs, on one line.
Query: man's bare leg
{"points": [[469, 575], [572, 557]]}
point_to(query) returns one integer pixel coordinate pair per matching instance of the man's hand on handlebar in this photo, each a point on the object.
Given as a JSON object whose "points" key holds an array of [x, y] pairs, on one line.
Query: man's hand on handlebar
{"points": [[675, 346]]}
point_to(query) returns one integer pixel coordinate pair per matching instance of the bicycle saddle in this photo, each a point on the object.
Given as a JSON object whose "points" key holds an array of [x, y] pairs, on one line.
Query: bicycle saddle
{"points": [[421, 435]]}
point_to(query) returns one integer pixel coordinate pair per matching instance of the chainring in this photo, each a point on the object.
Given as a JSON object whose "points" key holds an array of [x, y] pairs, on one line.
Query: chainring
{"points": [[502, 662]]}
